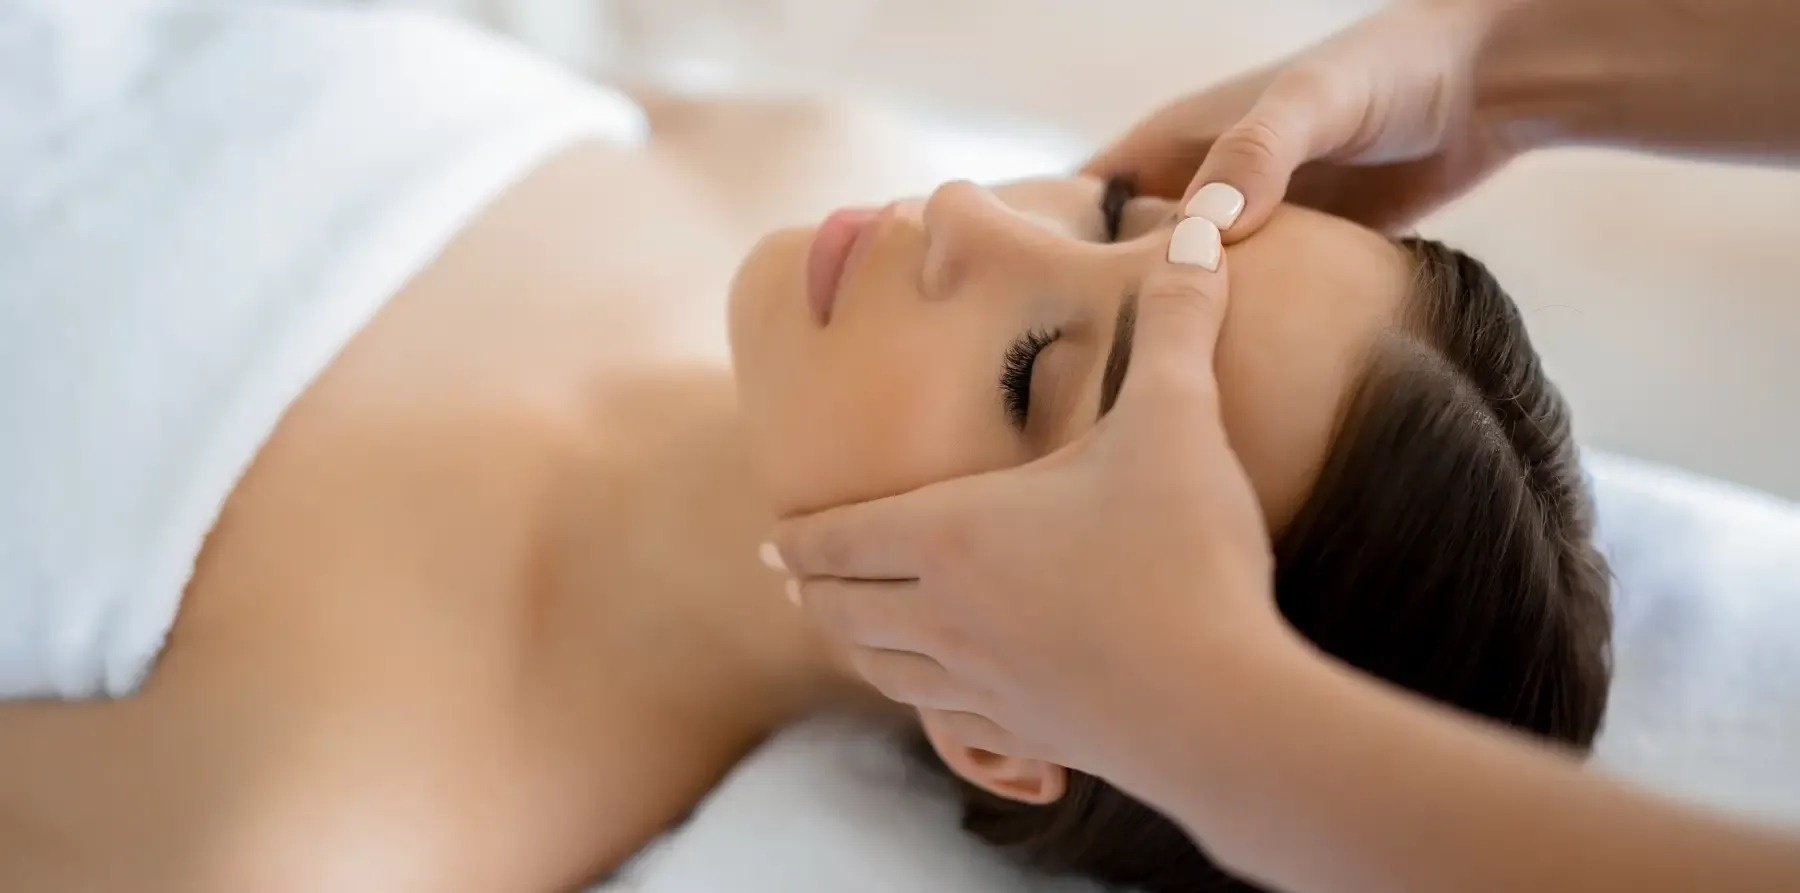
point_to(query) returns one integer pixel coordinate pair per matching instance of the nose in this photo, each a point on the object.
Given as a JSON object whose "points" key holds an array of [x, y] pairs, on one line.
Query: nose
{"points": [[971, 234]]}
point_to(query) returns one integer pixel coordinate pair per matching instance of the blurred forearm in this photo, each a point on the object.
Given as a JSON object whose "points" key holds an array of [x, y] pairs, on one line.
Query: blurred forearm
{"points": [[1324, 781], [1709, 78]]}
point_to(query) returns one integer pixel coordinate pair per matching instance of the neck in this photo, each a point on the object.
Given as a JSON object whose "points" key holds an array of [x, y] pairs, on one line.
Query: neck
{"points": [[655, 573]]}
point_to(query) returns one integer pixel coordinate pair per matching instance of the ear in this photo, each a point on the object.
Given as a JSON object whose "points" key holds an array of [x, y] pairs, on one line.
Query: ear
{"points": [[1015, 778]]}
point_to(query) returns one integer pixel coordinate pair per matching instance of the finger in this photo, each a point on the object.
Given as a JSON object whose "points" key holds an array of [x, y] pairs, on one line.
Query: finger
{"points": [[1247, 169], [913, 679], [1387, 198], [876, 540], [885, 614], [974, 730], [1162, 152], [1181, 307], [1159, 160]]}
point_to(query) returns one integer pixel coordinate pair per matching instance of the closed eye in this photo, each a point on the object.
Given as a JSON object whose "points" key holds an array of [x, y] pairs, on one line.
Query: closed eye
{"points": [[1020, 361], [1016, 370]]}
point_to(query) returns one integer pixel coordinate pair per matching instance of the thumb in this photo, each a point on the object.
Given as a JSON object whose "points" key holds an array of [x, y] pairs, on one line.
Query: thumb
{"points": [[1180, 310], [882, 539], [1162, 152], [1257, 156], [1158, 158]]}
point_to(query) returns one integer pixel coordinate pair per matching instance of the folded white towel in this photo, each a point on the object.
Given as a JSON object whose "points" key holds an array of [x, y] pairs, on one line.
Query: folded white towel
{"points": [[198, 207]]}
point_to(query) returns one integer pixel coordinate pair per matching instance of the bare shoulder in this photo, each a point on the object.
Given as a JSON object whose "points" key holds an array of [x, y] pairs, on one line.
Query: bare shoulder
{"points": [[350, 672], [343, 651], [396, 504], [233, 786], [338, 707], [332, 699]]}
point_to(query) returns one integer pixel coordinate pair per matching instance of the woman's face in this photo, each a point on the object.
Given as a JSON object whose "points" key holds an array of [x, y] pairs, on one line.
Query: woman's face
{"points": [[977, 329]]}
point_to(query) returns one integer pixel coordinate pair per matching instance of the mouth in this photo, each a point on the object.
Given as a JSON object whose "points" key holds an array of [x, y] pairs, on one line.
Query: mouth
{"points": [[829, 258]]}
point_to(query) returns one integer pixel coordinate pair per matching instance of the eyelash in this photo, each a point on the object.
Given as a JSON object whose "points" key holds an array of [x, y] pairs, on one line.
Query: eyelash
{"points": [[1021, 358], [1015, 373], [1119, 191]]}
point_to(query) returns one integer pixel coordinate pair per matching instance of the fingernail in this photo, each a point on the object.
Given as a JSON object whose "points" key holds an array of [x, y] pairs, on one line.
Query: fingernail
{"points": [[792, 587], [1220, 203], [771, 558], [1196, 243]]}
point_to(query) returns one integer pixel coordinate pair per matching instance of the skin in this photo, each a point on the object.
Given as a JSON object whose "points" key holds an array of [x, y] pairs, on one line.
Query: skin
{"points": [[1376, 124], [939, 289], [943, 286], [485, 612], [926, 588], [1408, 109]]}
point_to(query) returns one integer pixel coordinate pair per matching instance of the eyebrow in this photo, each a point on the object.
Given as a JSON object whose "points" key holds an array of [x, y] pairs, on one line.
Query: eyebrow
{"points": [[1118, 358]]}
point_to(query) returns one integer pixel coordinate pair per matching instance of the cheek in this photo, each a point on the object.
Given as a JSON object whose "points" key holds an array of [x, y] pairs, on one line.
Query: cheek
{"points": [[767, 307], [850, 416], [830, 447], [898, 394]]}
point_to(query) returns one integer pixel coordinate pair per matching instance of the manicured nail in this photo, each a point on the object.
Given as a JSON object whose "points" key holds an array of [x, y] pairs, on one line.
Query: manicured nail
{"points": [[792, 587], [1196, 243], [771, 558], [1219, 202]]}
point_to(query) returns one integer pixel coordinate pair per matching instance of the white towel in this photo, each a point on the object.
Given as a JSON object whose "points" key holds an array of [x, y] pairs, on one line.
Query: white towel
{"points": [[198, 207], [831, 804], [1705, 701]]}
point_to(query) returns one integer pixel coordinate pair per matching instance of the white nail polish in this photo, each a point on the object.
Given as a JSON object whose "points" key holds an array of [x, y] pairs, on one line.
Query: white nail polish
{"points": [[1195, 242], [771, 558], [791, 586], [1220, 203]]}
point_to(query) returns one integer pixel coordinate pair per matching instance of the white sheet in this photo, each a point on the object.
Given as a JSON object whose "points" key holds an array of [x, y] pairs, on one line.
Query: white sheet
{"points": [[1706, 705]]}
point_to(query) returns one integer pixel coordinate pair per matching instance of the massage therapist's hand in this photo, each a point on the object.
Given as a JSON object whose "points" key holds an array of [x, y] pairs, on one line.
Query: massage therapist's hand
{"points": [[1054, 609], [1378, 124]]}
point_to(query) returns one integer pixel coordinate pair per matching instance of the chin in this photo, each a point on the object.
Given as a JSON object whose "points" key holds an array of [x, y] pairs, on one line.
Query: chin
{"points": [[768, 292], [768, 321]]}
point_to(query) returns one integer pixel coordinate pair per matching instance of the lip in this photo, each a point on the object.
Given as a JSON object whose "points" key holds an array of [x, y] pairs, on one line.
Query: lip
{"points": [[829, 258]]}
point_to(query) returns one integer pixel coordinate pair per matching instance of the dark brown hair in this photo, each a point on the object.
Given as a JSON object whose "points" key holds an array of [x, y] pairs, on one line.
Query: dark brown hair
{"points": [[1446, 547]]}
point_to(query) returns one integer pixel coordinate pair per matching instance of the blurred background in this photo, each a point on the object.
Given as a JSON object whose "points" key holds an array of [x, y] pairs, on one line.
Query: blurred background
{"points": [[1664, 294]]}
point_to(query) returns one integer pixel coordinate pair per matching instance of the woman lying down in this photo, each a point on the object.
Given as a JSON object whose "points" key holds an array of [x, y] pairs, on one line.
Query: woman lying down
{"points": [[477, 605]]}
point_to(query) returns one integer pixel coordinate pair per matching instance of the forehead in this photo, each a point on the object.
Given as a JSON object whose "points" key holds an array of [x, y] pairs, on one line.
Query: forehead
{"points": [[1310, 293]]}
